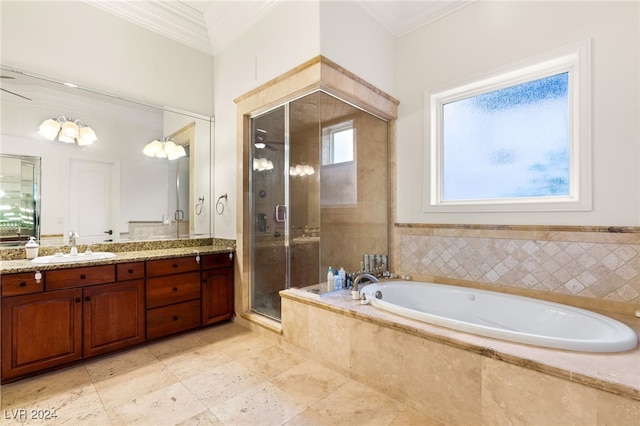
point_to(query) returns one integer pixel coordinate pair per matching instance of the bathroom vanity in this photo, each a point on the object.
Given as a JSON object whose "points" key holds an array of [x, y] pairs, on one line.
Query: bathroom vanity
{"points": [[69, 312]]}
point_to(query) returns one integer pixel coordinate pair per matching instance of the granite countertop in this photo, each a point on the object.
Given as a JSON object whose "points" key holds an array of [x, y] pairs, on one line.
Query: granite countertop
{"points": [[13, 260]]}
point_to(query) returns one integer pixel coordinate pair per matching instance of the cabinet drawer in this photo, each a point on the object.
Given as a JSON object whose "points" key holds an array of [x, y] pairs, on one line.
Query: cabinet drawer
{"points": [[130, 271], [79, 277], [172, 319], [17, 284], [172, 289], [220, 260], [172, 266]]}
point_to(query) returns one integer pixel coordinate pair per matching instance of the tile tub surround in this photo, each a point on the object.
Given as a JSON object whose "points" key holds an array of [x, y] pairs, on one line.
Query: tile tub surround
{"points": [[13, 259], [494, 382], [591, 267]]}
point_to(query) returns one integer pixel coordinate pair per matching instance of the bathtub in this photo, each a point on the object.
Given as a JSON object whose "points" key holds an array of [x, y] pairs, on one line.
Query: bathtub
{"points": [[503, 316]]}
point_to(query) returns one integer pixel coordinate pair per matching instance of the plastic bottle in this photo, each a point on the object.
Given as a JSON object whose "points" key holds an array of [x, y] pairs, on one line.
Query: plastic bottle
{"points": [[343, 276], [330, 282], [337, 281], [31, 248]]}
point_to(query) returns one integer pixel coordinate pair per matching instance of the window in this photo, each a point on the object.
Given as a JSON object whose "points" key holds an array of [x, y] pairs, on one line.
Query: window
{"points": [[517, 140], [337, 143]]}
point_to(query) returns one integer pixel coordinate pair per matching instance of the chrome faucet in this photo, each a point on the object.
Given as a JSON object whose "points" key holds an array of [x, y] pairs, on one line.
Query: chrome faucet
{"points": [[361, 277], [73, 240]]}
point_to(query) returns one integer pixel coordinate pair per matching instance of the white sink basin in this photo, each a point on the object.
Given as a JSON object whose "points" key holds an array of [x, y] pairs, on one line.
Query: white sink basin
{"points": [[67, 258]]}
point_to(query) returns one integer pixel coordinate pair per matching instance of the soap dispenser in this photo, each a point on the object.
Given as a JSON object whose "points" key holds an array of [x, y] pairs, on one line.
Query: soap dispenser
{"points": [[32, 248]]}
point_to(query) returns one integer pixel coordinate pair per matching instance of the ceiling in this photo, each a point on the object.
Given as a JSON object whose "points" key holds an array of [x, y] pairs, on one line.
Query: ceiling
{"points": [[211, 25]]}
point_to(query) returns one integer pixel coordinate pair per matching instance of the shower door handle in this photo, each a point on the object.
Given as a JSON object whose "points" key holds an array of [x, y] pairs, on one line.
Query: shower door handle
{"points": [[281, 213]]}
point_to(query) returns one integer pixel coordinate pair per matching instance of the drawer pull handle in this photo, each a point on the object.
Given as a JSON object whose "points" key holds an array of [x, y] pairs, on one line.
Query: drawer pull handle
{"points": [[23, 284], [175, 265], [130, 271], [175, 318], [83, 276], [175, 289]]}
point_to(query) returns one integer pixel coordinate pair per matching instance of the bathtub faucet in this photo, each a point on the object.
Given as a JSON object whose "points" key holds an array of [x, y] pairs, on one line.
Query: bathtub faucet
{"points": [[359, 278]]}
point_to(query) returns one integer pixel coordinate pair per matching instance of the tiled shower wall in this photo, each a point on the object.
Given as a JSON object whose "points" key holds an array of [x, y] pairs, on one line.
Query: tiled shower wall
{"points": [[594, 264]]}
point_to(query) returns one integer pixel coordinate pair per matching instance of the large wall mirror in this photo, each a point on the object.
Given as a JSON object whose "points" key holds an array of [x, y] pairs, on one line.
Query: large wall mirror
{"points": [[109, 190]]}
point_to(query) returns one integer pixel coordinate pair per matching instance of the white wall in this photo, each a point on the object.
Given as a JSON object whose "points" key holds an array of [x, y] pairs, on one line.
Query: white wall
{"points": [[286, 37], [486, 35], [291, 33], [74, 41], [354, 40]]}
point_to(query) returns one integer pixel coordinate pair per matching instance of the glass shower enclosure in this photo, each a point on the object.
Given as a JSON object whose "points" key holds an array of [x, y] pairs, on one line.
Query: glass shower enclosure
{"points": [[317, 196]]}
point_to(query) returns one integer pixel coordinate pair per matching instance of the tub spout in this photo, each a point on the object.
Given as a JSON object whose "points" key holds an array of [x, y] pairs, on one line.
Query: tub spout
{"points": [[355, 294]]}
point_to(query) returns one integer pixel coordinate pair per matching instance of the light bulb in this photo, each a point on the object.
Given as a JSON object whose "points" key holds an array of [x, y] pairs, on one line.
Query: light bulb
{"points": [[49, 129]]}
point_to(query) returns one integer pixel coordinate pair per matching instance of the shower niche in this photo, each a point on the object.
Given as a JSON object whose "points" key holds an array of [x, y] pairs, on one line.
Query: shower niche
{"points": [[318, 194]]}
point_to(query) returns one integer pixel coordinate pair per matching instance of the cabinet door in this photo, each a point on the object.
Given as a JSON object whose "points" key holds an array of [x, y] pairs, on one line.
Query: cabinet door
{"points": [[40, 331], [217, 295], [113, 316]]}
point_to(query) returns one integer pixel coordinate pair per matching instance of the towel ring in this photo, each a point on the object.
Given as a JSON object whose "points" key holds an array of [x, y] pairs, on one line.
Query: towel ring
{"points": [[198, 208], [220, 204]]}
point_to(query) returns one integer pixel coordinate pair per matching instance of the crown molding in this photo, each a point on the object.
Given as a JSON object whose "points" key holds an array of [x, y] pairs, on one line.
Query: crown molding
{"points": [[174, 20], [400, 18]]}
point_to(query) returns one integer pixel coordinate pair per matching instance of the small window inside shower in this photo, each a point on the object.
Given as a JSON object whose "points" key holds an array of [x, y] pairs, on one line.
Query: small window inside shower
{"points": [[337, 143]]}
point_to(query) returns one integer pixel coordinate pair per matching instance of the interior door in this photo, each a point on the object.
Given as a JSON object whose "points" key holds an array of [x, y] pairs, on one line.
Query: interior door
{"points": [[93, 194]]}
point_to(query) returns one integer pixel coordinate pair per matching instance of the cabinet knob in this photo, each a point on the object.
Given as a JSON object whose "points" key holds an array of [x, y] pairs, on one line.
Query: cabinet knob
{"points": [[78, 300], [175, 289], [87, 299], [175, 318], [83, 276], [175, 265], [23, 284], [130, 271]]}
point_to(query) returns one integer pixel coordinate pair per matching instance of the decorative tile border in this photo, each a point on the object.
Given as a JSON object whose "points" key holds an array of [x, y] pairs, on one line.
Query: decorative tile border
{"points": [[577, 265]]}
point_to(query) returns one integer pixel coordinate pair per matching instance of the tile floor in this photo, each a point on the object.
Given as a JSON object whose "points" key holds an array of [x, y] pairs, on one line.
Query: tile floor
{"points": [[221, 375]]}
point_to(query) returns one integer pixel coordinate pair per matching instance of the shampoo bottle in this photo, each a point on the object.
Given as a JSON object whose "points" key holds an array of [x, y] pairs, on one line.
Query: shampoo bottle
{"points": [[337, 281], [330, 280]]}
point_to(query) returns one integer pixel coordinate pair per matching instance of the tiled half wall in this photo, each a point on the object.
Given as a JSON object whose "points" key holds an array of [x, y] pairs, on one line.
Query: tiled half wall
{"points": [[597, 263]]}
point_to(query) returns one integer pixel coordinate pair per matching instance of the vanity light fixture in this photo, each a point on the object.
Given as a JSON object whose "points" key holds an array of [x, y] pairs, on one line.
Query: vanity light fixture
{"points": [[301, 170], [67, 130], [262, 164], [164, 148]]}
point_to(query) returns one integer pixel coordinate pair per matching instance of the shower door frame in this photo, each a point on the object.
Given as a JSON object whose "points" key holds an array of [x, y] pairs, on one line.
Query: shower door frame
{"points": [[252, 212]]}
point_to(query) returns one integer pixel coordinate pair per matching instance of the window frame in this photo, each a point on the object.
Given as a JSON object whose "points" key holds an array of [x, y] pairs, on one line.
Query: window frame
{"points": [[574, 59], [328, 133]]}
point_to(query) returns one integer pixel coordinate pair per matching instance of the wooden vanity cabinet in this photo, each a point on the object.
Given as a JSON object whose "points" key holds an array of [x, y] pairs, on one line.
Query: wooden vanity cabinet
{"points": [[40, 331], [114, 313], [71, 314], [172, 296], [217, 288]]}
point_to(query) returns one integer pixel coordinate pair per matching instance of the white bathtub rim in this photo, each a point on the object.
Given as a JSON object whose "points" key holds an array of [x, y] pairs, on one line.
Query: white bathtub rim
{"points": [[623, 339]]}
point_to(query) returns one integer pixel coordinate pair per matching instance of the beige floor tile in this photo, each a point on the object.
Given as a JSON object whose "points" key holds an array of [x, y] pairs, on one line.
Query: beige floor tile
{"points": [[124, 388], [264, 404], [222, 375], [309, 382], [222, 383], [63, 397], [119, 364], [271, 361], [167, 406], [205, 418], [357, 404], [194, 360]]}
